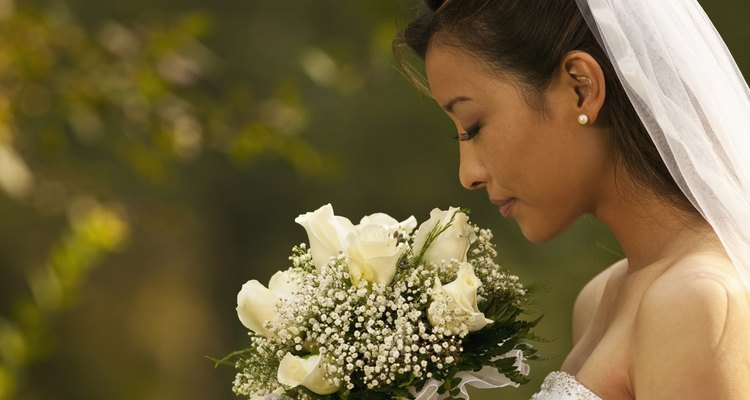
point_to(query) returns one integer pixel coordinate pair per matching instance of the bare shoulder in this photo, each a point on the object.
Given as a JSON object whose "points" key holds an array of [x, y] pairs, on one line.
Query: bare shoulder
{"points": [[701, 283], [693, 322], [589, 298]]}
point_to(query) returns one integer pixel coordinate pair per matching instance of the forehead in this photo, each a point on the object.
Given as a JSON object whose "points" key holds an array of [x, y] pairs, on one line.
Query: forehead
{"points": [[454, 72]]}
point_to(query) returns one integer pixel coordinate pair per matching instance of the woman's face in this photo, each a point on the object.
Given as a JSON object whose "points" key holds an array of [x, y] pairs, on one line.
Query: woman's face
{"points": [[544, 171]]}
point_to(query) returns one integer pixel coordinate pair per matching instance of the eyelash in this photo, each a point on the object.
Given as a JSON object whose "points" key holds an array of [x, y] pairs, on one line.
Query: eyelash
{"points": [[469, 134]]}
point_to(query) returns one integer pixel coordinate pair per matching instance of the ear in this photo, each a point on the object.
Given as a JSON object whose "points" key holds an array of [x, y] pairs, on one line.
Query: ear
{"points": [[581, 73]]}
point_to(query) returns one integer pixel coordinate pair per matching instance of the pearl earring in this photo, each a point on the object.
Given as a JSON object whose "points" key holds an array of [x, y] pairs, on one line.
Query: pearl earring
{"points": [[583, 119]]}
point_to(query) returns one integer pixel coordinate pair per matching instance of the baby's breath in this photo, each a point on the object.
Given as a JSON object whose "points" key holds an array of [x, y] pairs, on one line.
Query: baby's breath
{"points": [[257, 368]]}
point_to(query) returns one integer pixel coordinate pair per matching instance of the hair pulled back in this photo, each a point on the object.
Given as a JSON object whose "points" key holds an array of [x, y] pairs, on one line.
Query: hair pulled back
{"points": [[526, 40]]}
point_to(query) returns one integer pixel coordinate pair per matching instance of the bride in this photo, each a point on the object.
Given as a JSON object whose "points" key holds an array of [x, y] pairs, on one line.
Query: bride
{"points": [[632, 111]]}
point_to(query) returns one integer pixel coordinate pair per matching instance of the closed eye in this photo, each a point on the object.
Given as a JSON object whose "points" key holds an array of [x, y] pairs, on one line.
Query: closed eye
{"points": [[469, 134]]}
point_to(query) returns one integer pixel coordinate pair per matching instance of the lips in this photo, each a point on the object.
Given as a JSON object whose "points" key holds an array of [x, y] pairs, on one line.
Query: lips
{"points": [[505, 206]]}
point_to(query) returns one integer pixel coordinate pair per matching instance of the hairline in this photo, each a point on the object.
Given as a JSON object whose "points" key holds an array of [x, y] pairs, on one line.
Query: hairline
{"points": [[533, 96]]}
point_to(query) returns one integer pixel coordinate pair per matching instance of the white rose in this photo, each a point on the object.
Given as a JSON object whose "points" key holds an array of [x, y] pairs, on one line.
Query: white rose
{"points": [[326, 232], [373, 254], [308, 372], [257, 304], [388, 222], [452, 243], [283, 285], [462, 296]]}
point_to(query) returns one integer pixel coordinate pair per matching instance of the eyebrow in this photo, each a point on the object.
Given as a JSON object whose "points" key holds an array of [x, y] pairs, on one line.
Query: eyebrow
{"points": [[449, 105]]}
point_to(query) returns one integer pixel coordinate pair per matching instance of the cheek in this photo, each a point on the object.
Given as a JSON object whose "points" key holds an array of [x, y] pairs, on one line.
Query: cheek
{"points": [[530, 158], [510, 154], [558, 183], [566, 186]]}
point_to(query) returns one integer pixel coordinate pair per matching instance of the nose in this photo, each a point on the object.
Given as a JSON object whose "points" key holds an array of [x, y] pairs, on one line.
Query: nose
{"points": [[471, 171]]}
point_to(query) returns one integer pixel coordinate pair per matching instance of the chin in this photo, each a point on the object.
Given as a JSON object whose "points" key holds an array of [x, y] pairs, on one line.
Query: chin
{"points": [[540, 232]]}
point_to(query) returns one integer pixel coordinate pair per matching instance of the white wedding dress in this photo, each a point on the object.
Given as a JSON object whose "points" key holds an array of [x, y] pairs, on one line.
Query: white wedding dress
{"points": [[563, 386]]}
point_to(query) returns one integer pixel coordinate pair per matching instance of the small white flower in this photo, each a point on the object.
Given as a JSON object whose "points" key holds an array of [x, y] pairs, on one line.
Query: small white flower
{"points": [[326, 232], [308, 372], [462, 298], [277, 394], [452, 243]]}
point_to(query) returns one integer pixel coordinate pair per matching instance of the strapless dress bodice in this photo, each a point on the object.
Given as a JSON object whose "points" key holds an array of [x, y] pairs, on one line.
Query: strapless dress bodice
{"points": [[560, 385]]}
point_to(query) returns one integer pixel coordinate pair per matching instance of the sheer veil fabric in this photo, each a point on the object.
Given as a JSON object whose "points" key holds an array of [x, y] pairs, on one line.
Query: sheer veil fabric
{"points": [[692, 98]]}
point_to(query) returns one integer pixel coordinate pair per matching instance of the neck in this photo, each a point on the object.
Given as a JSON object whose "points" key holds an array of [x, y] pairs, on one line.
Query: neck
{"points": [[650, 229]]}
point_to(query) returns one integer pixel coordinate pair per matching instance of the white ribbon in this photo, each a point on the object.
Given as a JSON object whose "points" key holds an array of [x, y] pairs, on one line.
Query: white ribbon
{"points": [[485, 378]]}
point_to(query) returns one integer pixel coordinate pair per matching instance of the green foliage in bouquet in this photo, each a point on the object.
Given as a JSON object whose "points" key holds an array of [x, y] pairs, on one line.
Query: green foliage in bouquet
{"points": [[373, 311]]}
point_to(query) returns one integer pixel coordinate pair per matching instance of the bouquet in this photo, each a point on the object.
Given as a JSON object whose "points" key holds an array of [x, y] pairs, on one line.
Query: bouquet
{"points": [[380, 310]]}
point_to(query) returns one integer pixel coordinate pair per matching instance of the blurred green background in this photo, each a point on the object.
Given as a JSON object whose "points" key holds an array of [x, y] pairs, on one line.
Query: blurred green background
{"points": [[153, 157]]}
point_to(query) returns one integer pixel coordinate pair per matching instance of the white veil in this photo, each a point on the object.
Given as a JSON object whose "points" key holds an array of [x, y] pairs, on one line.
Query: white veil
{"points": [[692, 98]]}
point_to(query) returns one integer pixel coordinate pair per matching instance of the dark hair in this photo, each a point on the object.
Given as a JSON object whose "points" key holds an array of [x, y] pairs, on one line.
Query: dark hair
{"points": [[527, 39]]}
